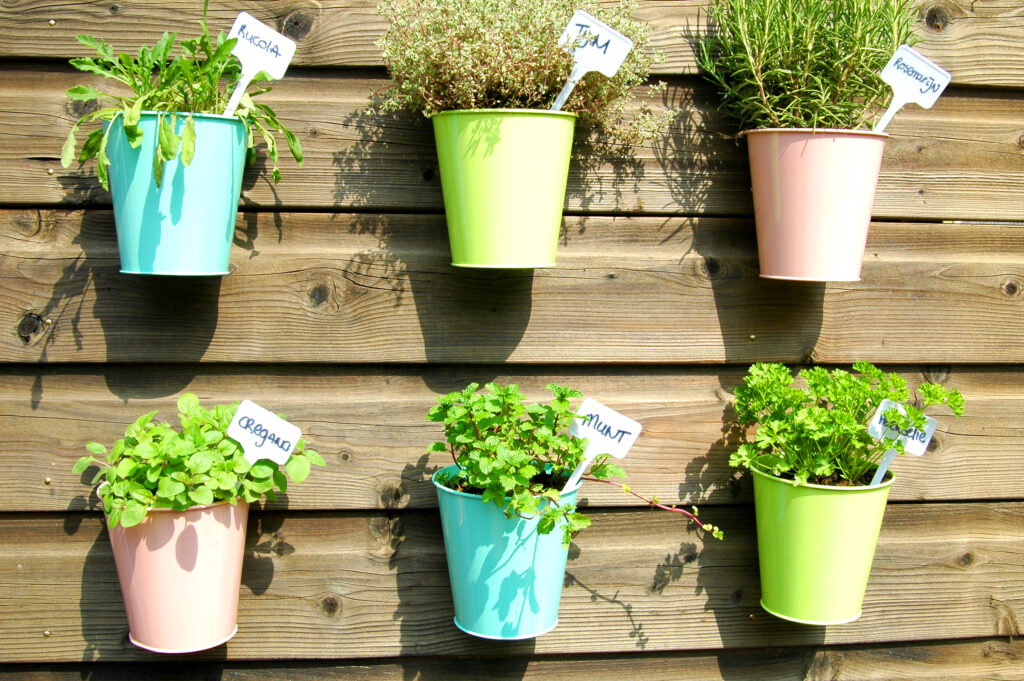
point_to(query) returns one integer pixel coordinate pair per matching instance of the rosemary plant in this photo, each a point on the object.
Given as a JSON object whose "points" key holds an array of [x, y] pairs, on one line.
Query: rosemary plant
{"points": [[803, 63]]}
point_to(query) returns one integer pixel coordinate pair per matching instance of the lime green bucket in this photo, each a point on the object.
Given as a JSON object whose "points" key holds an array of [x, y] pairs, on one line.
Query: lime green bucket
{"points": [[815, 545], [503, 174]]}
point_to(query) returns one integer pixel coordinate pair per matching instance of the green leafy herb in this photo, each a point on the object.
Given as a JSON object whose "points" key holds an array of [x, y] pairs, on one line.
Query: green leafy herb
{"points": [[819, 434], [199, 79], [803, 63], [155, 466], [519, 456], [504, 54]]}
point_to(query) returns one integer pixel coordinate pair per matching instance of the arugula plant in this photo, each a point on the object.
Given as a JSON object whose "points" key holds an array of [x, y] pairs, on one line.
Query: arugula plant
{"points": [[519, 456], [819, 433], [504, 54], [199, 79], [803, 63], [156, 466]]}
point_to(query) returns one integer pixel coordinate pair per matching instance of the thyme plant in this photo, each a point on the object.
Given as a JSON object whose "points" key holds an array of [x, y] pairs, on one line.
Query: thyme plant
{"points": [[199, 79], [155, 466], [803, 63], [504, 54], [819, 434], [520, 456]]}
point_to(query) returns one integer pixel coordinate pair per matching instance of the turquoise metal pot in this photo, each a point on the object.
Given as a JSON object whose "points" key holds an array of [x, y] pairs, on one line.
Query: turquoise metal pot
{"points": [[185, 226], [506, 579]]}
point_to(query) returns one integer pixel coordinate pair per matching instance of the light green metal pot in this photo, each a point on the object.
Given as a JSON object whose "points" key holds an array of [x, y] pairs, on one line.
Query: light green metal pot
{"points": [[503, 174], [815, 545]]}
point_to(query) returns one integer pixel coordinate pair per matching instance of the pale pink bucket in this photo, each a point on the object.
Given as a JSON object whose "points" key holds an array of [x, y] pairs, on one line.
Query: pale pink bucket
{"points": [[813, 193], [180, 573]]}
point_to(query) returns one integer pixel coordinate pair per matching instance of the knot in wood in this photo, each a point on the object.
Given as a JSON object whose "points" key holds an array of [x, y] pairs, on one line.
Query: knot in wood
{"points": [[329, 606], [392, 494], [937, 18], [1011, 287], [297, 24], [711, 267], [30, 327]]}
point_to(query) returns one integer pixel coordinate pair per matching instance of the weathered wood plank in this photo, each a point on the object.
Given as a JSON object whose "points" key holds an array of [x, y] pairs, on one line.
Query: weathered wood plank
{"points": [[378, 288], [991, 659], [330, 586], [958, 160], [979, 42], [370, 427]]}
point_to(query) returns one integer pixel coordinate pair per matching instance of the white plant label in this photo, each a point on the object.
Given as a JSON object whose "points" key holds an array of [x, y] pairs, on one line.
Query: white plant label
{"points": [[608, 432], [263, 434], [259, 48], [595, 46], [915, 441], [913, 78]]}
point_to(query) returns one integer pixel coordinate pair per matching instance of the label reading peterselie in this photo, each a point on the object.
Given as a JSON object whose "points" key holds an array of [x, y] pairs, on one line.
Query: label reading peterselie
{"points": [[915, 440], [608, 431], [261, 48], [263, 434], [598, 46]]}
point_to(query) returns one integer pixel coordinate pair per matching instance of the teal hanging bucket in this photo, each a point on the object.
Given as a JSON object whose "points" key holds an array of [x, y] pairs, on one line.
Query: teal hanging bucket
{"points": [[506, 579], [186, 225]]}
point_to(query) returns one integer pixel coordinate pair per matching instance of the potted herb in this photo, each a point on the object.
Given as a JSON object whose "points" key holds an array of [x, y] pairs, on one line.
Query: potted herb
{"points": [[176, 503], [172, 162], [486, 73], [813, 459], [506, 516], [802, 80]]}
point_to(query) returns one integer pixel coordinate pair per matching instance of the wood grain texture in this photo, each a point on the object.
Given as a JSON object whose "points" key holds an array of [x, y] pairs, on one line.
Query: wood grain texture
{"points": [[959, 160], [369, 425], [329, 586], [988, 659], [378, 288], [980, 42]]}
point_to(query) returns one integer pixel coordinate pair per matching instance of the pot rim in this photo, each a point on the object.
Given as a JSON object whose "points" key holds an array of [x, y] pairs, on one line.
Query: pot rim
{"points": [[831, 488], [433, 479], [818, 131], [152, 509], [536, 112]]}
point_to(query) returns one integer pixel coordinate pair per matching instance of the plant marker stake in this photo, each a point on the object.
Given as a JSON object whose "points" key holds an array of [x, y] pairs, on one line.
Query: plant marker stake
{"points": [[914, 441], [913, 78], [595, 46], [608, 431], [259, 48]]}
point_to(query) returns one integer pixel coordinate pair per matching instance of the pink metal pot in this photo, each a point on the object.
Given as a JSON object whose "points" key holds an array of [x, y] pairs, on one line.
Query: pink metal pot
{"points": [[813, 193], [180, 573]]}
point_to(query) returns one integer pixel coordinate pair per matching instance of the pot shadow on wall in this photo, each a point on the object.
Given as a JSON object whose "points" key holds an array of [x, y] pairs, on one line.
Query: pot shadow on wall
{"points": [[412, 544], [143, 318], [388, 176]]}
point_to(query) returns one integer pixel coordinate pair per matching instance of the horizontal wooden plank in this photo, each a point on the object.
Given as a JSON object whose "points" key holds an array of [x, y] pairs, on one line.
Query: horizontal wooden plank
{"points": [[378, 288], [989, 659], [958, 160], [344, 586], [371, 429], [980, 42]]}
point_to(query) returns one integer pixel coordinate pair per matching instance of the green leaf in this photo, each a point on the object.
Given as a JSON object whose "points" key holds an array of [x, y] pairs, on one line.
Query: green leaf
{"points": [[82, 464], [168, 488], [298, 468], [67, 152], [84, 93], [188, 142], [281, 481], [96, 448], [126, 467], [261, 470], [133, 514], [202, 496]]}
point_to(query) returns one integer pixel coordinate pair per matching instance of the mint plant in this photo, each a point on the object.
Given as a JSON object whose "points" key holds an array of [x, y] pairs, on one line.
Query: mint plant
{"points": [[803, 63], [819, 433], [199, 79], [519, 456], [504, 54], [155, 466]]}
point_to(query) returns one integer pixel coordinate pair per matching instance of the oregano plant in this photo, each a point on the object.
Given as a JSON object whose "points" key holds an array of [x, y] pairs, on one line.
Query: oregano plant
{"points": [[199, 79], [156, 466], [818, 433], [519, 456]]}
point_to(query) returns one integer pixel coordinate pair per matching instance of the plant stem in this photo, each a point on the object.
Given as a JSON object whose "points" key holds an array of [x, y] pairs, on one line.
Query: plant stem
{"points": [[650, 502]]}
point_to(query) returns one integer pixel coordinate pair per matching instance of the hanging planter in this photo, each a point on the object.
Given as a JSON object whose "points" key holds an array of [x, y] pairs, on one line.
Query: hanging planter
{"points": [[815, 544], [503, 174], [169, 558], [813, 192], [506, 577], [186, 224], [176, 505]]}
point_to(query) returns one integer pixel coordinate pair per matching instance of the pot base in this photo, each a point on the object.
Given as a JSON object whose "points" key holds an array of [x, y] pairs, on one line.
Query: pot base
{"points": [[184, 650], [522, 637], [177, 274], [799, 621], [503, 266], [780, 277]]}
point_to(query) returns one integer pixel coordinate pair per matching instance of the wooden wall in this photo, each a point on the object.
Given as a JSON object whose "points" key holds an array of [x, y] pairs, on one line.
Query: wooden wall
{"points": [[342, 312]]}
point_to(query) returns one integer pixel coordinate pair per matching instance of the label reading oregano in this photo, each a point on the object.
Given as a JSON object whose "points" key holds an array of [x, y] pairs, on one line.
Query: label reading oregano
{"points": [[263, 434]]}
